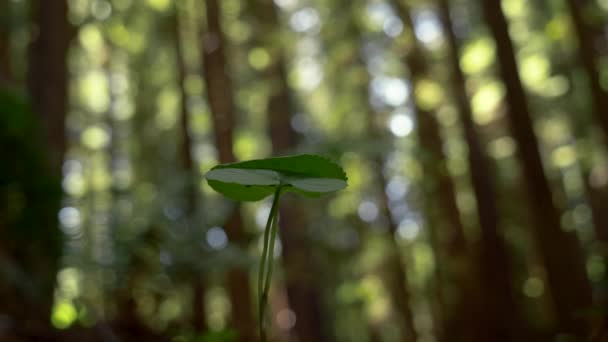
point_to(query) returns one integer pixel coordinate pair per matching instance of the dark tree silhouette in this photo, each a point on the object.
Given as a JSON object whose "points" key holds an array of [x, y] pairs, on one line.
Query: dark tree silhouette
{"points": [[599, 96], [559, 250], [443, 217], [398, 276], [199, 320], [5, 65], [599, 99], [47, 65], [500, 316], [303, 294], [220, 97]]}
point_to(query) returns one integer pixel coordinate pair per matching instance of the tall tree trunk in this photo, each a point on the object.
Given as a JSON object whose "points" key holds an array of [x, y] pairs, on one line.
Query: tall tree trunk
{"points": [[599, 96], [48, 85], [400, 283], [221, 101], [597, 198], [430, 140], [443, 217], [48, 74], [303, 294], [5, 34], [500, 315], [199, 320], [397, 283], [126, 318], [561, 254]]}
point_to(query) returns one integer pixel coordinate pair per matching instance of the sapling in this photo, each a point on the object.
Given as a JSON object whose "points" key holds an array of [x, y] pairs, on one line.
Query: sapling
{"points": [[254, 180]]}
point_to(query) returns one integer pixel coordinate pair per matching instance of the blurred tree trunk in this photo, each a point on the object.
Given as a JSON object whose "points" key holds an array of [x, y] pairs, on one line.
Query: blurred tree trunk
{"points": [[126, 320], [5, 35], [599, 96], [500, 314], [220, 96], [597, 198], [430, 141], [401, 288], [595, 194], [561, 254], [443, 217], [303, 295], [48, 85], [48, 73], [199, 320], [398, 283]]}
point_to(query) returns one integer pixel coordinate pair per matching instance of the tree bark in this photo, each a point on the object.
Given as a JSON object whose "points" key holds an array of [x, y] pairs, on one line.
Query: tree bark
{"points": [[443, 216], [5, 35], [397, 277], [430, 140], [560, 252], [221, 101], [399, 284], [199, 320], [500, 314], [48, 85], [48, 74], [303, 295], [599, 96], [401, 291]]}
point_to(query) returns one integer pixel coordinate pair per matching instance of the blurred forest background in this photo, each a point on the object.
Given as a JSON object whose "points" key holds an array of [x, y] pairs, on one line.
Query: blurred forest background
{"points": [[474, 134]]}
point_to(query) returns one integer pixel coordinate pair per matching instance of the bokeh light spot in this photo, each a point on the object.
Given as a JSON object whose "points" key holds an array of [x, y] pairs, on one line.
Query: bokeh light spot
{"points": [[477, 56], [534, 287], [401, 125], [159, 5], [596, 268], [217, 238], [408, 229], [502, 147], [286, 319], [368, 211], [64, 314], [95, 137], [485, 102], [259, 58]]}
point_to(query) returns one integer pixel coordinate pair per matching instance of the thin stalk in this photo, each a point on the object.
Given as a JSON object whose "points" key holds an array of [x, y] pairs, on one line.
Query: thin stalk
{"points": [[265, 251], [265, 274], [273, 236]]}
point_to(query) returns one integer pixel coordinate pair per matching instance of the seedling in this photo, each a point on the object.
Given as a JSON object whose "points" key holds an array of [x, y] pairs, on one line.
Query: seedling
{"points": [[254, 180]]}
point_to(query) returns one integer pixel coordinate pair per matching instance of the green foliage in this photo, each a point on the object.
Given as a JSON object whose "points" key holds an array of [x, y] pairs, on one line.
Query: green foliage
{"points": [[29, 200], [254, 180], [141, 226], [26, 185], [212, 336]]}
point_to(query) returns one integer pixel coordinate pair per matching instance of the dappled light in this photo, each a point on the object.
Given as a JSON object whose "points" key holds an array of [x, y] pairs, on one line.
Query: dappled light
{"points": [[445, 179]]}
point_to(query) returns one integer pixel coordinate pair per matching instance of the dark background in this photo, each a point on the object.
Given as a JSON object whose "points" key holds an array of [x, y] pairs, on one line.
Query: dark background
{"points": [[474, 134]]}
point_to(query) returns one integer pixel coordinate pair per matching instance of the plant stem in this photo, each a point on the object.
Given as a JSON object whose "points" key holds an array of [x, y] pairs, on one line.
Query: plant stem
{"points": [[273, 235], [265, 273], [264, 254]]}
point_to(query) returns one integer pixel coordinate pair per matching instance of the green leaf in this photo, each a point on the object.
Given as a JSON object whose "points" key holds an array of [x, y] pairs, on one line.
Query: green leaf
{"points": [[318, 184], [245, 176], [254, 180]]}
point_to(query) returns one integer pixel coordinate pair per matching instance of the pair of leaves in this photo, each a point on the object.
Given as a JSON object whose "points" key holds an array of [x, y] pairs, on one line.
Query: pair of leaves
{"points": [[254, 180]]}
